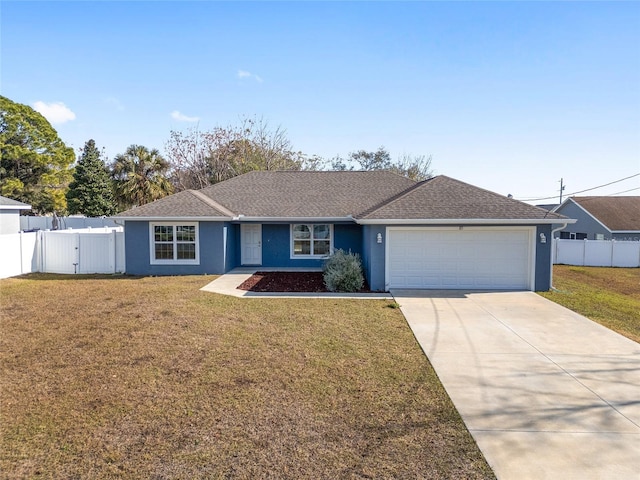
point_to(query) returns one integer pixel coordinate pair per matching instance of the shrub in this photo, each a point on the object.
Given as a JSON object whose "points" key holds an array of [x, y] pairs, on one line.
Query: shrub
{"points": [[342, 272]]}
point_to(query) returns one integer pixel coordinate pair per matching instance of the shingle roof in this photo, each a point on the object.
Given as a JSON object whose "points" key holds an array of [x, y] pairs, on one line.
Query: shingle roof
{"points": [[179, 205], [306, 194], [373, 195], [13, 204], [443, 198], [616, 213]]}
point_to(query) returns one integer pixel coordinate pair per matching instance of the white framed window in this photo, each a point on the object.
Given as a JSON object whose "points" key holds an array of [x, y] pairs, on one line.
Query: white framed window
{"points": [[311, 240], [174, 243]]}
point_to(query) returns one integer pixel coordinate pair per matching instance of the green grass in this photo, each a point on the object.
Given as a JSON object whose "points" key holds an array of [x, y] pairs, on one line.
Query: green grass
{"points": [[609, 296], [123, 377]]}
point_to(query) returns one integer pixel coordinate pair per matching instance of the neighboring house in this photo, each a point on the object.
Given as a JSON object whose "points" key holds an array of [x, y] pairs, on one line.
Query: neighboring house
{"points": [[439, 233], [548, 206], [10, 215], [601, 218]]}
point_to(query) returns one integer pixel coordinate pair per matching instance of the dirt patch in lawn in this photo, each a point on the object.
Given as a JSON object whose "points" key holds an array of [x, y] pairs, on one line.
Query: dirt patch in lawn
{"points": [[309, 282]]}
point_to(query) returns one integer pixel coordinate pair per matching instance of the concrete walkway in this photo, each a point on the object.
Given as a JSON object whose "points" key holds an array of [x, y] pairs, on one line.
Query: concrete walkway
{"points": [[227, 284], [545, 392]]}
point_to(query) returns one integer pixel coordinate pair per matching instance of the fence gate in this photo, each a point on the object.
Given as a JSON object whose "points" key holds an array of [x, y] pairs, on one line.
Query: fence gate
{"points": [[96, 253], [61, 252]]}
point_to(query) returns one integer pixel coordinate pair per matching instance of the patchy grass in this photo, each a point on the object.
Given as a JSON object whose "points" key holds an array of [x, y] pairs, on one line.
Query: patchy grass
{"points": [[609, 296], [122, 377]]}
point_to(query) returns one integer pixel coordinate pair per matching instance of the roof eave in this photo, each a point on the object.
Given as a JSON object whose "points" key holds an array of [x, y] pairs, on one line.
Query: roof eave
{"points": [[243, 218], [15, 207], [465, 221], [173, 219]]}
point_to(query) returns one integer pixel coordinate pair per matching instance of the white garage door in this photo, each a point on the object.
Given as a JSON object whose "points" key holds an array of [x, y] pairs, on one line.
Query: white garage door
{"points": [[471, 258]]}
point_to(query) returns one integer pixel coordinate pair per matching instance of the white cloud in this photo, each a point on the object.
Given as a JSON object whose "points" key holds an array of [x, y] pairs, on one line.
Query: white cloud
{"points": [[176, 115], [56, 112], [244, 74]]}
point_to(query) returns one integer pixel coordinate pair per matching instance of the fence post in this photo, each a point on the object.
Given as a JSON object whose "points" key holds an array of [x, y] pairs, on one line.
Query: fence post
{"points": [[613, 246], [76, 265], [43, 257], [20, 252], [112, 252]]}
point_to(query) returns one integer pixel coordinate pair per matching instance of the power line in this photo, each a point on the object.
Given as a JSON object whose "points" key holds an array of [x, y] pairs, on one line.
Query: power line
{"points": [[582, 191], [624, 191]]}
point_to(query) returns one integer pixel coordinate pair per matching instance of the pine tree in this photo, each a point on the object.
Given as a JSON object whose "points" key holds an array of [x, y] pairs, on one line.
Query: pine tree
{"points": [[91, 191]]}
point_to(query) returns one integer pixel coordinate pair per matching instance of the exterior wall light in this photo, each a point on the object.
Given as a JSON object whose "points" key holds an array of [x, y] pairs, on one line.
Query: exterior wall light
{"points": [[379, 238], [543, 238]]}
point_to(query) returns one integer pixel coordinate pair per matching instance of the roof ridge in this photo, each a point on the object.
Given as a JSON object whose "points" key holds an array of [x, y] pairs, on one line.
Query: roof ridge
{"points": [[392, 199], [212, 203]]}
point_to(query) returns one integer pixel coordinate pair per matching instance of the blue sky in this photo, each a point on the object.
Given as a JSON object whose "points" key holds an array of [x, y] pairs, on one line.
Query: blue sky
{"points": [[509, 96]]}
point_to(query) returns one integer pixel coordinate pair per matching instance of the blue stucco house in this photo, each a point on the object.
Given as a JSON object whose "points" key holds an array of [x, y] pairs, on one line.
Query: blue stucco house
{"points": [[439, 233], [601, 218]]}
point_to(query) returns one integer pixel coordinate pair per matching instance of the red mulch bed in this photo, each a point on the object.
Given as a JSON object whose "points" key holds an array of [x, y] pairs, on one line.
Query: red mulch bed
{"points": [[305, 282]]}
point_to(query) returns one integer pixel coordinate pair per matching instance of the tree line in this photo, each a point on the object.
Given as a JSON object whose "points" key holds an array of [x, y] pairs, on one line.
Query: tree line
{"points": [[37, 168]]}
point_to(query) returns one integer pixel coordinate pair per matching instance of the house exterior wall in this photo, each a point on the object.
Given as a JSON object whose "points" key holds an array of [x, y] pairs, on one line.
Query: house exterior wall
{"points": [[374, 256], [9, 221], [543, 259], [585, 222], [210, 242], [231, 235], [219, 244], [276, 245], [627, 237]]}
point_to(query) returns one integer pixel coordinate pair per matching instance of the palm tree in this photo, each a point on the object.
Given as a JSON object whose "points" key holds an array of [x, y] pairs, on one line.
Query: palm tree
{"points": [[139, 176]]}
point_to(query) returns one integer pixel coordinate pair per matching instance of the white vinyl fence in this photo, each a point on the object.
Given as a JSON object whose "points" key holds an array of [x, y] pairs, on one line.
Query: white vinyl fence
{"points": [[28, 223], [99, 250], [597, 253]]}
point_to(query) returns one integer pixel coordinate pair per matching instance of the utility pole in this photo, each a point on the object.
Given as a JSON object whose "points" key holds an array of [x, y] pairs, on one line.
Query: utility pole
{"points": [[562, 187]]}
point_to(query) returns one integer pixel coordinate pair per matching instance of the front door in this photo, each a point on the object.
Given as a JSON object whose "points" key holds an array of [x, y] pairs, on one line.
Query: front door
{"points": [[251, 244]]}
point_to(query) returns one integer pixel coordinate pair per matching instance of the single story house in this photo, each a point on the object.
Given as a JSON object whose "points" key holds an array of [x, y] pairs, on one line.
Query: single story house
{"points": [[439, 233], [601, 218], [10, 215]]}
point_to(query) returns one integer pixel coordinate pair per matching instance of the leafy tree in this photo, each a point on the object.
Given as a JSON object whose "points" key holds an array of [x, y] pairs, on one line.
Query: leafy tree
{"points": [[35, 164], [91, 192], [140, 176], [378, 160], [199, 158], [414, 167]]}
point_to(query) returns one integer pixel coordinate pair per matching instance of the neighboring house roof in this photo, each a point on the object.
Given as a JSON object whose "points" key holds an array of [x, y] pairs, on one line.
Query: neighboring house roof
{"points": [[366, 196], [615, 213], [11, 204]]}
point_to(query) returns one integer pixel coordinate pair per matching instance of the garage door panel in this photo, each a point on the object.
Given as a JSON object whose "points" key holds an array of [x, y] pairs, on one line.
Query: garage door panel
{"points": [[457, 259]]}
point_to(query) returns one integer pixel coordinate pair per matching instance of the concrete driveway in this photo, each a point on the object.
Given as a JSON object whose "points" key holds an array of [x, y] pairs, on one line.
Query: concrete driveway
{"points": [[545, 392]]}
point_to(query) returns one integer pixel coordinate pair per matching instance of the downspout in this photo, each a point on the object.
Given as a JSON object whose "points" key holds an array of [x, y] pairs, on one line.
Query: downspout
{"points": [[553, 246]]}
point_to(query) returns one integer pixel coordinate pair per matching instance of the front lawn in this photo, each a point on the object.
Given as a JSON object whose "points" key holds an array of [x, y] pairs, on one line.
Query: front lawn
{"points": [[122, 377], [610, 296]]}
